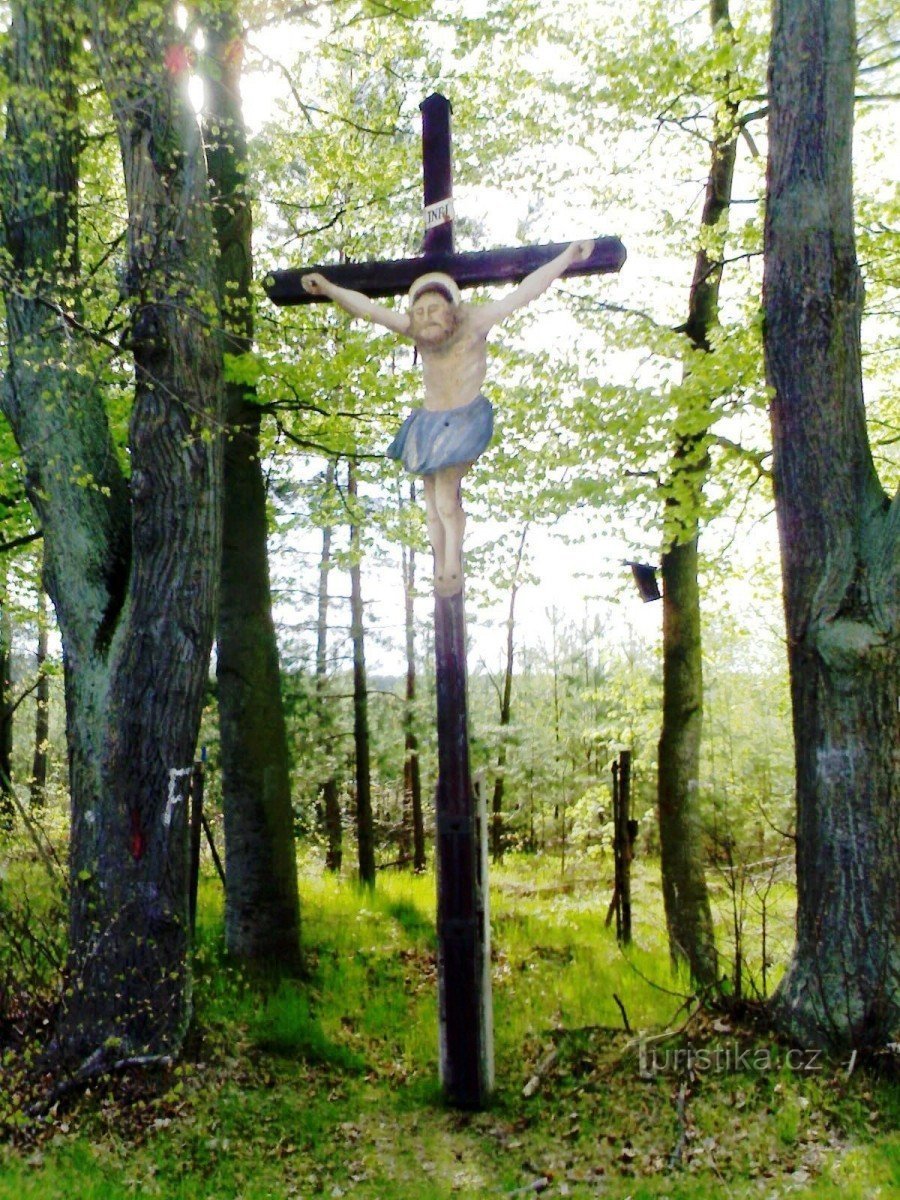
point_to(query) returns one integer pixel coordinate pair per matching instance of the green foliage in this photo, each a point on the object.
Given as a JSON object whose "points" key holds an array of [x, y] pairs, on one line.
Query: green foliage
{"points": [[576, 705], [14, 511]]}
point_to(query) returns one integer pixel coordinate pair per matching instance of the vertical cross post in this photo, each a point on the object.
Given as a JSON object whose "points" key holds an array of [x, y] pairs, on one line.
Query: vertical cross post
{"points": [[463, 928], [627, 841], [622, 845], [437, 172]]}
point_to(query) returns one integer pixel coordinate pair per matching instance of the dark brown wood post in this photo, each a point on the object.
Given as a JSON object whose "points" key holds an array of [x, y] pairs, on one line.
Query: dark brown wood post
{"points": [[626, 840], [195, 836], [615, 905], [623, 839], [437, 171], [464, 989], [464, 984]]}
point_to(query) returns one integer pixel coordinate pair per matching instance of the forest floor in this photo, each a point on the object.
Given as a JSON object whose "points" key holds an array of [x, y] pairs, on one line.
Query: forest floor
{"points": [[328, 1087]]}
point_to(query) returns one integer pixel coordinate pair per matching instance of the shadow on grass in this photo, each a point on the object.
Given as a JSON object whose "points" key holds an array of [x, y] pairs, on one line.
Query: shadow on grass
{"points": [[287, 1025], [412, 921]]}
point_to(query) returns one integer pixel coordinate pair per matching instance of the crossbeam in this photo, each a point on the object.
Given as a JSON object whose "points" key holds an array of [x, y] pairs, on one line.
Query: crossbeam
{"points": [[393, 277]]}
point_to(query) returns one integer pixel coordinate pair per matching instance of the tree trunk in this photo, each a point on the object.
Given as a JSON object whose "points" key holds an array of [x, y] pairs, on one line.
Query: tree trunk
{"points": [[132, 577], [413, 822], [505, 711], [840, 546], [328, 789], [41, 712], [262, 910], [685, 894], [623, 848], [365, 834]]}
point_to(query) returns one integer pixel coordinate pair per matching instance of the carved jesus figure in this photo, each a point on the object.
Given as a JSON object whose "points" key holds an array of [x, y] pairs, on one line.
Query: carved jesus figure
{"points": [[441, 440]]}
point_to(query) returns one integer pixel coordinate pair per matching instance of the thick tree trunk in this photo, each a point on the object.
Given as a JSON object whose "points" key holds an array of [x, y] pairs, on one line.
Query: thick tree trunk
{"points": [[262, 910], [685, 894], [413, 820], [41, 711], [134, 597], [328, 789], [365, 834], [840, 545]]}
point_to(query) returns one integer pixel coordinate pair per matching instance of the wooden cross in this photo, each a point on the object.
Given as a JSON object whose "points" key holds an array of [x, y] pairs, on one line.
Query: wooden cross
{"points": [[463, 927], [393, 277]]}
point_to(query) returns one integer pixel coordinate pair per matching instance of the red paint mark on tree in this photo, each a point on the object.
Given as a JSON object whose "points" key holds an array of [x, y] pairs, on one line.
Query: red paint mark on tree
{"points": [[137, 842], [178, 58], [234, 52]]}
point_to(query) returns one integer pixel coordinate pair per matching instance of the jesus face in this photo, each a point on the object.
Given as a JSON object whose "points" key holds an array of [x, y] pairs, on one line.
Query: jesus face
{"points": [[433, 320]]}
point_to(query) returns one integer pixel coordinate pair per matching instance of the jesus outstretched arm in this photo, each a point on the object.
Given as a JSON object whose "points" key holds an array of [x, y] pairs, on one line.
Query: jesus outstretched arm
{"points": [[532, 286], [356, 304]]}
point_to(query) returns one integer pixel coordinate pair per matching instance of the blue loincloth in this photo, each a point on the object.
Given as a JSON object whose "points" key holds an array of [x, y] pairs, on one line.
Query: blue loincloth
{"points": [[428, 441]]}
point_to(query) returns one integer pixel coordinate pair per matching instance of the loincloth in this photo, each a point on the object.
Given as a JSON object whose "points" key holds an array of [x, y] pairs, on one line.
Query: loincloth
{"points": [[429, 440]]}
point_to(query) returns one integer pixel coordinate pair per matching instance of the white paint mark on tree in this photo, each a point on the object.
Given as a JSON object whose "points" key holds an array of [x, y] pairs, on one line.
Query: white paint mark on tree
{"points": [[175, 773]]}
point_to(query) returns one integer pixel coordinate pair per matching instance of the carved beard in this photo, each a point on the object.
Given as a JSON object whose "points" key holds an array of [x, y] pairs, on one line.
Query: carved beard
{"points": [[434, 338]]}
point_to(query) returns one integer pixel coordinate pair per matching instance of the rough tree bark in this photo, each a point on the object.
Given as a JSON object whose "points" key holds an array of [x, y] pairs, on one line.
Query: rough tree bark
{"points": [[262, 910], [840, 545], [685, 894], [365, 834], [131, 567]]}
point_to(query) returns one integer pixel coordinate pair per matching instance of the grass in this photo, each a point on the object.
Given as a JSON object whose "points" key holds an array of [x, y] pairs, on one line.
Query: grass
{"points": [[329, 1087]]}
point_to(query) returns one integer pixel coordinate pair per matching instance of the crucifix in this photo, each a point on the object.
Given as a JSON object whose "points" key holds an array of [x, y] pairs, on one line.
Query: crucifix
{"points": [[440, 442]]}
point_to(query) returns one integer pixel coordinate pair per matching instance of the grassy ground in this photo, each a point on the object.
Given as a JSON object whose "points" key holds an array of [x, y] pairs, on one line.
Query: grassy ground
{"points": [[329, 1088]]}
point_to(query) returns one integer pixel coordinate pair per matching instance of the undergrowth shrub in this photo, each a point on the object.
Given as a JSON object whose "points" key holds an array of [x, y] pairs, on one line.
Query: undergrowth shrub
{"points": [[32, 942]]}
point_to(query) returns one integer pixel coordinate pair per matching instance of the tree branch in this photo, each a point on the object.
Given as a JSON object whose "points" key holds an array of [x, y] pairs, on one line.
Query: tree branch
{"points": [[22, 697], [24, 540], [757, 457], [307, 108], [328, 451]]}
